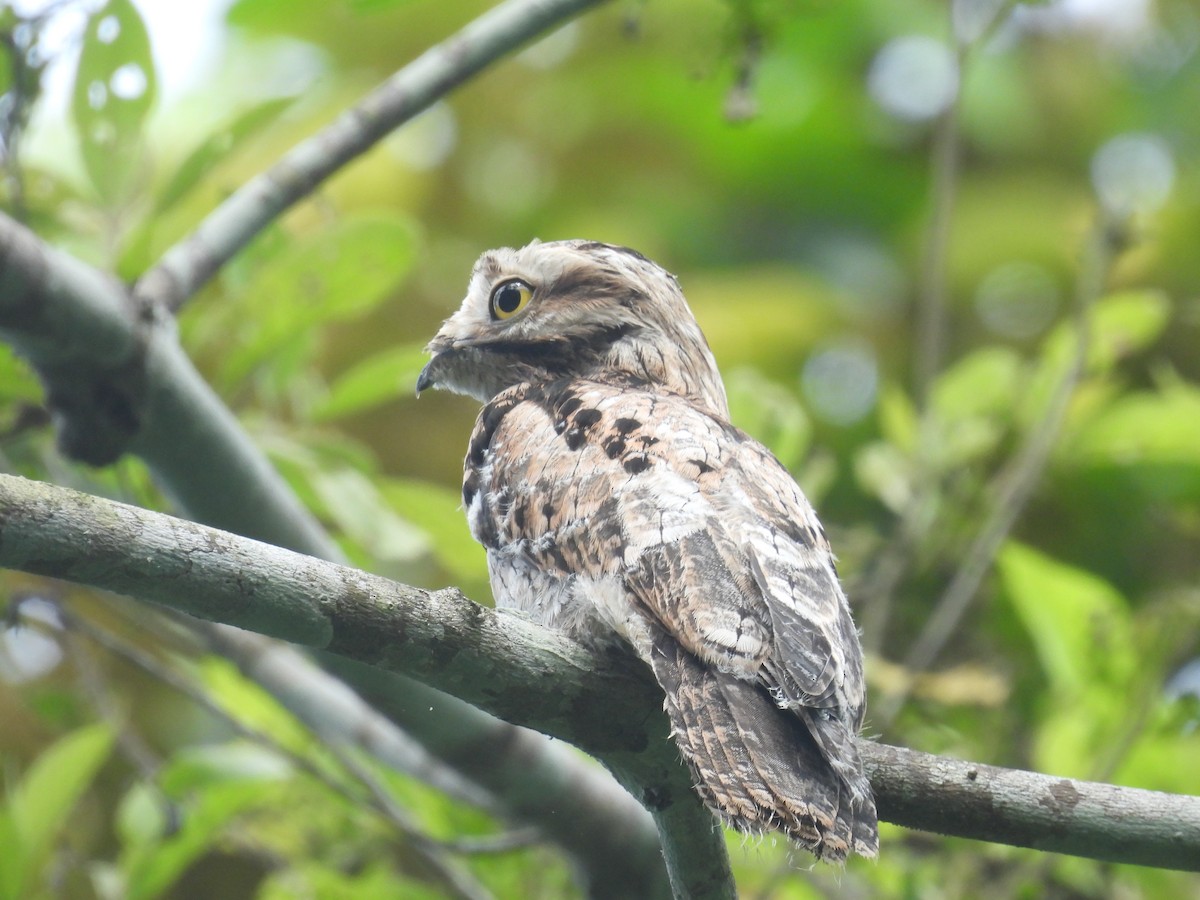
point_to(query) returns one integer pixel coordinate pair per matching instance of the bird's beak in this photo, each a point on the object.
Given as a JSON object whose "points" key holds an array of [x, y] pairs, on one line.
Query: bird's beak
{"points": [[428, 377]]}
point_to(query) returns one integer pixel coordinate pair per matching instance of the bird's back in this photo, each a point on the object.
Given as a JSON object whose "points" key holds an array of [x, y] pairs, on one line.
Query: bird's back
{"points": [[613, 508]]}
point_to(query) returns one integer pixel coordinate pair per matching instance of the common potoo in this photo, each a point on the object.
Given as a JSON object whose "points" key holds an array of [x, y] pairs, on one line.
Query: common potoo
{"points": [[614, 497]]}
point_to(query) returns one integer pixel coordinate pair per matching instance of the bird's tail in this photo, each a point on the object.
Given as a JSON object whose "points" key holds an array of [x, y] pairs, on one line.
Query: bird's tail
{"points": [[758, 766]]}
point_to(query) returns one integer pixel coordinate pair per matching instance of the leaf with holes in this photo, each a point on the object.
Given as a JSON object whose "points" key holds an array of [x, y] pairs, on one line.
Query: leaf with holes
{"points": [[115, 87]]}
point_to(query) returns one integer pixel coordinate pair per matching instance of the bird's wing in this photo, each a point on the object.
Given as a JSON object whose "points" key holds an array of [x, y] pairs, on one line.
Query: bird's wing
{"points": [[695, 544], [706, 528]]}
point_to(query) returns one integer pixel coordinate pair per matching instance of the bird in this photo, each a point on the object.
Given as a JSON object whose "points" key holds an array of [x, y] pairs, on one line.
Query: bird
{"points": [[617, 502]]}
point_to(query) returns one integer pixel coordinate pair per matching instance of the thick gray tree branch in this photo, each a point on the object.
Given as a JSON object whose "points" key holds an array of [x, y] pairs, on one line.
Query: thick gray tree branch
{"points": [[116, 379], [509, 667], [499, 31], [606, 704]]}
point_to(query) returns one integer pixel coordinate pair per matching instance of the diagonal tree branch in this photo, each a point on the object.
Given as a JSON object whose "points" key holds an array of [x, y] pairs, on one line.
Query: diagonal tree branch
{"points": [[228, 228], [116, 379], [605, 703]]}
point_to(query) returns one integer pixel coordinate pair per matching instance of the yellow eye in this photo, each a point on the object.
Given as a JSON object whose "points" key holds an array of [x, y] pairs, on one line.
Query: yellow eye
{"points": [[510, 298]]}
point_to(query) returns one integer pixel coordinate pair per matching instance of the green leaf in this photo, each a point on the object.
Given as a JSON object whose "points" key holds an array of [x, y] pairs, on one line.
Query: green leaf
{"points": [[213, 784], [140, 819], [377, 879], [336, 274], [1144, 428], [1120, 326], [115, 88], [364, 515], [982, 383], [769, 412], [362, 7], [12, 860], [49, 790], [17, 381], [437, 511], [198, 768], [377, 379], [216, 148], [882, 470], [1079, 623], [248, 703], [898, 420], [149, 874]]}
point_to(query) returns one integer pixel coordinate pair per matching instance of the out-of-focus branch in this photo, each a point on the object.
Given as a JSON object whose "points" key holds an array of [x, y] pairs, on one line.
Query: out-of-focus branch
{"points": [[605, 703], [1016, 483], [608, 836], [970, 25], [228, 228], [455, 881]]}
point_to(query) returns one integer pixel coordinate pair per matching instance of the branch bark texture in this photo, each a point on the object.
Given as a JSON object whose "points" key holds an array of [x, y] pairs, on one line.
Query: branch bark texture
{"points": [[604, 703]]}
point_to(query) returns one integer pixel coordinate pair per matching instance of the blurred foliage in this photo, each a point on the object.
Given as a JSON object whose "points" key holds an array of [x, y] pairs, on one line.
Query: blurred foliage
{"points": [[767, 152]]}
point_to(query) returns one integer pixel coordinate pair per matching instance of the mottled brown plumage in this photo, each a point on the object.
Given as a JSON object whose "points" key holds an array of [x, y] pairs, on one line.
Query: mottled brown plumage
{"points": [[614, 497]]}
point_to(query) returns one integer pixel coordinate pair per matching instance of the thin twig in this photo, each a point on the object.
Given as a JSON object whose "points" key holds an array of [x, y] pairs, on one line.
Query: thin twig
{"points": [[456, 879], [488, 844], [931, 307], [94, 685], [230, 227], [877, 587], [1014, 486]]}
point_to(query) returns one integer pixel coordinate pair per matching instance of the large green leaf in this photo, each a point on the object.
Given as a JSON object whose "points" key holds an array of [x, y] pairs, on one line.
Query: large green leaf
{"points": [[43, 800], [376, 379], [338, 273], [115, 88], [1082, 631], [1078, 623]]}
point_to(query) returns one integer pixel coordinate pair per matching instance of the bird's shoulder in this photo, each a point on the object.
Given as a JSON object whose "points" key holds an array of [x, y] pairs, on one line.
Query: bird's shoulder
{"points": [[620, 430], [705, 529]]}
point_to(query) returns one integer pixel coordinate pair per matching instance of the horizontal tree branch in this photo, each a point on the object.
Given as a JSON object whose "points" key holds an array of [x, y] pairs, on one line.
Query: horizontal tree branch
{"points": [[231, 226], [605, 703]]}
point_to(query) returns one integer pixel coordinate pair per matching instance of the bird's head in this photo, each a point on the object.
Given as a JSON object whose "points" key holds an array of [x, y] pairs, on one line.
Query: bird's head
{"points": [[577, 309]]}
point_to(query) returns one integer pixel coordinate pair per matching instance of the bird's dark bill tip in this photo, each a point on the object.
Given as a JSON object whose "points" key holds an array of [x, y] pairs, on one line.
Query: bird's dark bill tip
{"points": [[426, 379]]}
